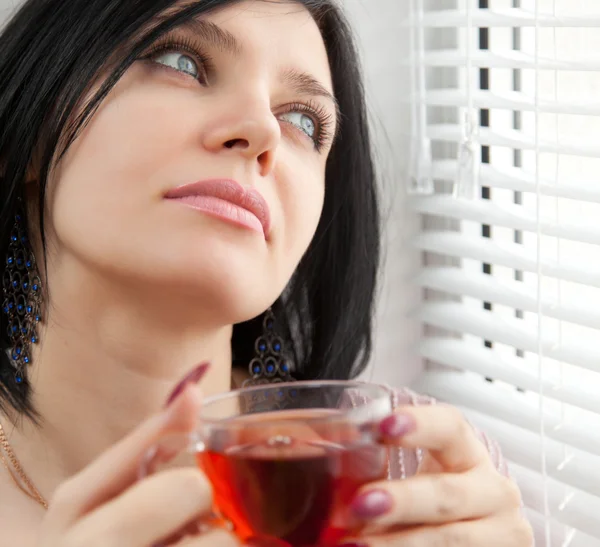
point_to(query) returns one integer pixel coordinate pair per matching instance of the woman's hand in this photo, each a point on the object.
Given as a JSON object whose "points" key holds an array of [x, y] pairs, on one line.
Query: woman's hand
{"points": [[457, 498], [105, 505]]}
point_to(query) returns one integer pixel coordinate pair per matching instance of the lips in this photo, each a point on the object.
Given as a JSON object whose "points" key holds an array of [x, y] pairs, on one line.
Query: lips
{"points": [[228, 200]]}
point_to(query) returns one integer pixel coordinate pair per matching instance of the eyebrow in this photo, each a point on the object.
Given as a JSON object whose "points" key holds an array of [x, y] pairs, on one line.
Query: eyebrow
{"points": [[300, 82], [305, 84], [214, 35]]}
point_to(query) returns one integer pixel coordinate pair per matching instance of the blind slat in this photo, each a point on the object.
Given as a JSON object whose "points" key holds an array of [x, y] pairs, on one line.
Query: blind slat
{"points": [[511, 255], [507, 215], [507, 59], [514, 332], [523, 447], [512, 17], [512, 178], [508, 100], [512, 370], [514, 294], [580, 512], [560, 534], [510, 406], [512, 139]]}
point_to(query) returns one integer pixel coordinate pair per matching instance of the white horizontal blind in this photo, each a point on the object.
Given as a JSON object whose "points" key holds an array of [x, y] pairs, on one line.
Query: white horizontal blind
{"points": [[511, 240]]}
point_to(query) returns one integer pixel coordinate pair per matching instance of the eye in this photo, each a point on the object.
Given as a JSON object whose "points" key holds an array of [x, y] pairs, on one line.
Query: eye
{"points": [[312, 119], [303, 121], [179, 61]]}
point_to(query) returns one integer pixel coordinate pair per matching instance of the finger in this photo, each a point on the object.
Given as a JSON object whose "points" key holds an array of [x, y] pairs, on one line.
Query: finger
{"points": [[117, 468], [434, 499], [504, 531], [149, 511], [440, 429], [214, 538]]}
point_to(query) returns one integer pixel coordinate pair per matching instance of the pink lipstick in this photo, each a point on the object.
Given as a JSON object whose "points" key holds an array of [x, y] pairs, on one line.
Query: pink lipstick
{"points": [[227, 200]]}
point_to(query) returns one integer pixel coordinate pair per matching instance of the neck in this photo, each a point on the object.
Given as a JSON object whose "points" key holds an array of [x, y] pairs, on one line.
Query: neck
{"points": [[105, 364]]}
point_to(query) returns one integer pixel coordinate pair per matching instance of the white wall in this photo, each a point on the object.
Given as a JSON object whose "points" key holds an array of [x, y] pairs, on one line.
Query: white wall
{"points": [[384, 46]]}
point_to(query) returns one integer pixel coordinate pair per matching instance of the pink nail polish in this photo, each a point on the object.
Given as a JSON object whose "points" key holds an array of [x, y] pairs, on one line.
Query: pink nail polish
{"points": [[192, 377], [397, 425], [372, 504]]}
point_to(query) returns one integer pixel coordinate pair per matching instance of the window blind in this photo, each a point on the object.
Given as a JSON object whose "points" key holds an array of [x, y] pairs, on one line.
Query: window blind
{"points": [[505, 174]]}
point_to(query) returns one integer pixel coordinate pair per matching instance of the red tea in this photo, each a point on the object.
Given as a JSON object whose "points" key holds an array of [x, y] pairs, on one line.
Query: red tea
{"points": [[291, 480]]}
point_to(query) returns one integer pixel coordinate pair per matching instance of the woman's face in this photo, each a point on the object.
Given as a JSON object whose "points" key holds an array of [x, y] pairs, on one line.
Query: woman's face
{"points": [[239, 106]]}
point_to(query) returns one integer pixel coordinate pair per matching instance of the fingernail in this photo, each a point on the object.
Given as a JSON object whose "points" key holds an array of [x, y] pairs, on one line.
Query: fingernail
{"points": [[353, 545], [192, 377], [397, 425], [373, 504]]}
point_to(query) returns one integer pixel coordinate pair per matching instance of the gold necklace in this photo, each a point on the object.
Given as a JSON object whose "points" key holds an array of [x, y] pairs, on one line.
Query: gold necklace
{"points": [[17, 474]]}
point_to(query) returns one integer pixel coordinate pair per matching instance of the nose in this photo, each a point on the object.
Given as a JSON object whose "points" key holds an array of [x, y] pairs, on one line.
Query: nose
{"points": [[248, 129]]}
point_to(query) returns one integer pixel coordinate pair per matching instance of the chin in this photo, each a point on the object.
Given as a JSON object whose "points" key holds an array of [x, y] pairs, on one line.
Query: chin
{"points": [[232, 278], [233, 288]]}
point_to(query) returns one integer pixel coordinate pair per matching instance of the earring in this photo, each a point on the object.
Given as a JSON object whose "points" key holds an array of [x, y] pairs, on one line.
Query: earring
{"points": [[270, 364], [22, 291]]}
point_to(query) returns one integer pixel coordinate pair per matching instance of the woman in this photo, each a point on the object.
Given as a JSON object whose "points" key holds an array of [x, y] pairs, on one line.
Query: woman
{"points": [[171, 170]]}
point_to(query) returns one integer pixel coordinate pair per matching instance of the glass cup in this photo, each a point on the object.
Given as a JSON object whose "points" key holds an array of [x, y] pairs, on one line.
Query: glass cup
{"points": [[285, 460]]}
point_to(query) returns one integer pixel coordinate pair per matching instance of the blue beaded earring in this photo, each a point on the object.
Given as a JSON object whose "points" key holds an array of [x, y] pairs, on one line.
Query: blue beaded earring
{"points": [[22, 291], [271, 364]]}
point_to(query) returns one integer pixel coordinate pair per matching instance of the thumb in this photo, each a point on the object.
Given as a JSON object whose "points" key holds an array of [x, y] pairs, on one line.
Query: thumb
{"points": [[117, 468]]}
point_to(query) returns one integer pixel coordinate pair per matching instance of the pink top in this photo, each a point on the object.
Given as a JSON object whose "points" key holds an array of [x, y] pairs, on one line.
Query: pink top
{"points": [[404, 462]]}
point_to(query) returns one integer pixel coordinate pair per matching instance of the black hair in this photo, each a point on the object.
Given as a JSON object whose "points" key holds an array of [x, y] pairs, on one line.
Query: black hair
{"points": [[52, 50]]}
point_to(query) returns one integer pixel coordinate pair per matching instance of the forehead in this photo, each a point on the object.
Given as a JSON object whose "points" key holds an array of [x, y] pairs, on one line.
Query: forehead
{"points": [[281, 32]]}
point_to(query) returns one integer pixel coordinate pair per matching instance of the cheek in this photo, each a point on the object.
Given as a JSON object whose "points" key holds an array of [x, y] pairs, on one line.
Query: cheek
{"points": [[302, 194], [117, 169]]}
